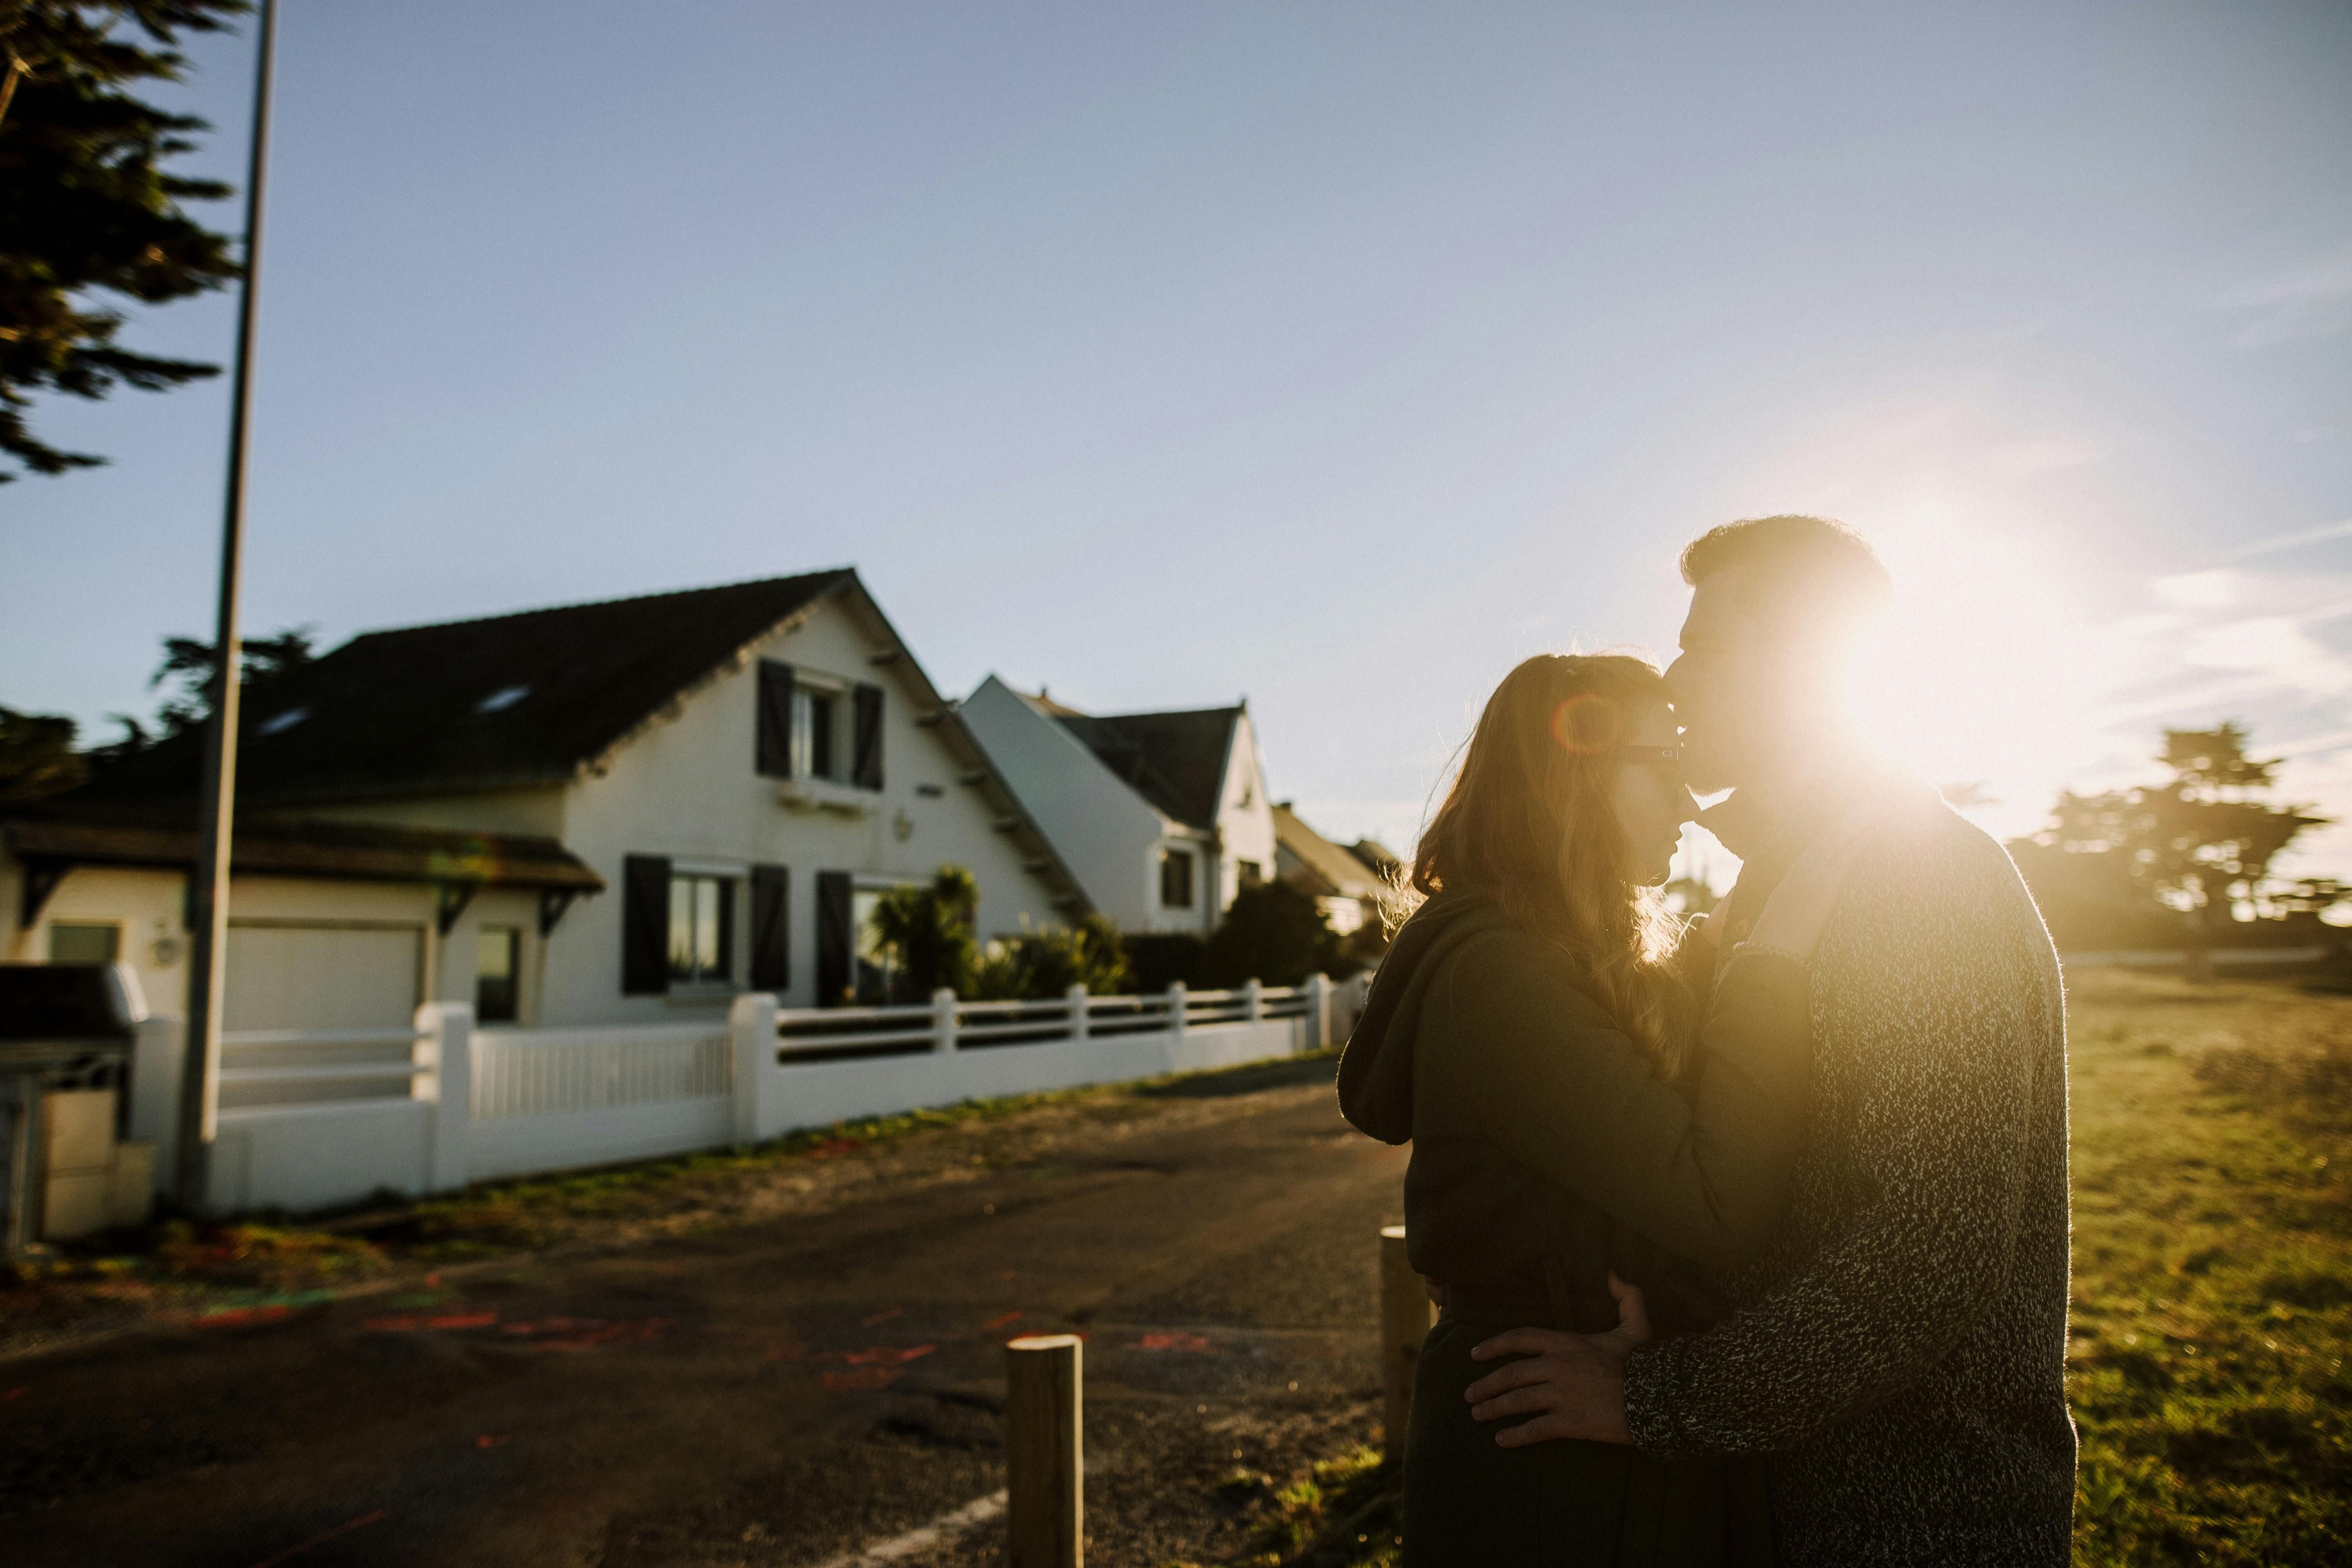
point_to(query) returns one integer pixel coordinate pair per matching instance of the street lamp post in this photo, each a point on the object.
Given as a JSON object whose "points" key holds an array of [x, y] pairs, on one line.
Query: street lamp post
{"points": [[208, 914]]}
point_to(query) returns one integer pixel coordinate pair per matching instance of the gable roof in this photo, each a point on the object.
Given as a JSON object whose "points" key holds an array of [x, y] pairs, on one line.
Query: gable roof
{"points": [[1175, 761], [512, 700], [1332, 870]]}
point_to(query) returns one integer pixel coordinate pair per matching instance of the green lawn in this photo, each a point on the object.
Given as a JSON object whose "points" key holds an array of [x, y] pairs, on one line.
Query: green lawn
{"points": [[2212, 1271], [2212, 1285]]}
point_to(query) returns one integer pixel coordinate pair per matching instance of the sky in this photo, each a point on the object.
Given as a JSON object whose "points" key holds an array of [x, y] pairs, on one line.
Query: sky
{"points": [[1332, 355]]}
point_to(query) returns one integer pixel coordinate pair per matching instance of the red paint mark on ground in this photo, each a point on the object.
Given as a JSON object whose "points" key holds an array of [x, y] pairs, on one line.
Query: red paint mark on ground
{"points": [[1001, 1319], [17, 1393], [887, 1355], [882, 1317], [392, 1325], [320, 1539], [463, 1320], [863, 1379], [486, 1441], [241, 1317], [1192, 1344], [832, 1146], [433, 1281]]}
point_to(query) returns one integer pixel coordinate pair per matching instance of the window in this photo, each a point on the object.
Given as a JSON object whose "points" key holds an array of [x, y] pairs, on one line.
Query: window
{"points": [[83, 943], [814, 754], [701, 927], [498, 964], [1176, 879], [1252, 872]]}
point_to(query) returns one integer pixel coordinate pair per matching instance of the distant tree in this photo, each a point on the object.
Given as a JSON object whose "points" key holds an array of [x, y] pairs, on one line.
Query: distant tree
{"points": [[38, 756], [926, 931], [2200, 845], [89, 207], [189, 666]]}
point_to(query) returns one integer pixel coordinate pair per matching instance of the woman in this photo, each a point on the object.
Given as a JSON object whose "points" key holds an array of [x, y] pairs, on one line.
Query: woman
{"points": [[1535, 1034]]}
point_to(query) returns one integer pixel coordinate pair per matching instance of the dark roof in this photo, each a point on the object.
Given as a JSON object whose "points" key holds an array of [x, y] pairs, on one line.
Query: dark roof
{"points": [[1175, 761], [518, 699], [1383, 861], [87, 836]]}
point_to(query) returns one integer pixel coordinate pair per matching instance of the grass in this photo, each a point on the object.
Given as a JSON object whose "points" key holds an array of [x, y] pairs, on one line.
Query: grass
{"points": [[2212, 1271], [2212, 1282]]}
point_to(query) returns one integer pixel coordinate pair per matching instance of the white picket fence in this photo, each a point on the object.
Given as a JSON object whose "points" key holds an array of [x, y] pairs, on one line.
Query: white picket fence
{"points": [[315, 1120]]}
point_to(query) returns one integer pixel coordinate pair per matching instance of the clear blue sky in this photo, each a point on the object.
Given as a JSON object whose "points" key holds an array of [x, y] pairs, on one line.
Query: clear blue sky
{"points": [[1335, 354]]}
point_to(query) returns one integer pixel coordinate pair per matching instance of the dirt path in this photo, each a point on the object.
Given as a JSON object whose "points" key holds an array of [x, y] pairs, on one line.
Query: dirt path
{"points": [[801, 1369]]}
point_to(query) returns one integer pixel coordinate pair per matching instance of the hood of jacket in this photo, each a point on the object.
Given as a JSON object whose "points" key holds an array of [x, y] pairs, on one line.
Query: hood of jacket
{"points": [[1376, 1066]]}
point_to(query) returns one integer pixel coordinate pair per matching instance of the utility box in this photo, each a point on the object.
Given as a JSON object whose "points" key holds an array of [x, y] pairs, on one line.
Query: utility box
{"points": [[66, 1037]]}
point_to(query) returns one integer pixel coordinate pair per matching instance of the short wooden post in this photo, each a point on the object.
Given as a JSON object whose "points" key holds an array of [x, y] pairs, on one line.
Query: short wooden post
{"points": [[943, 1019], [1405, 1316], [1253, 999], [1076, 999], [1046, 1507]]}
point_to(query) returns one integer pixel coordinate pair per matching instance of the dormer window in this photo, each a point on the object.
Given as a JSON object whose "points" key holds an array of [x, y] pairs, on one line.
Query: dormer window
{"points": [[815, 725]]}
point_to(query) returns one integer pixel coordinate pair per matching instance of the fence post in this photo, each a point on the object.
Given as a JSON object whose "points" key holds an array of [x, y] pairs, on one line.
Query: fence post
{"points": [[943, 1019], [162, 1042], [449, 1027], [1405, 1317], [1076, 998], [751, 1032], [1176, 1007], [1045, 1479], [1319, 1012], [1253, 999]]}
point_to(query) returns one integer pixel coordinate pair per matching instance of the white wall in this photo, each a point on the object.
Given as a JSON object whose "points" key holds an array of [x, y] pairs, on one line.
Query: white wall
{"points": [[1244, 816], [685, 788], [1107, 834]]}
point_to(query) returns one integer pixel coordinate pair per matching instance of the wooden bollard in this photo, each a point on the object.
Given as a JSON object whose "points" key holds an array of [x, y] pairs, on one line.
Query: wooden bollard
{"points": [[1047, 1506], [1405, 1316]]}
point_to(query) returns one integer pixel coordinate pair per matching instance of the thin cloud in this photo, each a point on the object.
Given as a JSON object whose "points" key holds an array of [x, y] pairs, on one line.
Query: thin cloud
{"points": [[2292, 541], [2313, 302]]}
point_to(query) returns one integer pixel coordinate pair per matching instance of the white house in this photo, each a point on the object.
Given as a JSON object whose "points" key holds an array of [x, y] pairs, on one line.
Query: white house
{"points": [[625, 812], [1162, 818]]}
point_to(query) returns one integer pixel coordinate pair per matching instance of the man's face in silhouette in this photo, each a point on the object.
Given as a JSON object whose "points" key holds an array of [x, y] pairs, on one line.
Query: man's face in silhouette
{"points": [[1731, 686]]}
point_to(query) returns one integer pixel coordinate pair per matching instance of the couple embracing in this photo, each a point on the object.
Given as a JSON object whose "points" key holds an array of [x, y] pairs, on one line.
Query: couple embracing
{"points": [[1750, 1239]]}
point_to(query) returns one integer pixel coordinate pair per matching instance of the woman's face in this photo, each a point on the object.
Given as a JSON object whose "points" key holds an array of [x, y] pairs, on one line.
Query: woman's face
{"points": [[1651, 800]]}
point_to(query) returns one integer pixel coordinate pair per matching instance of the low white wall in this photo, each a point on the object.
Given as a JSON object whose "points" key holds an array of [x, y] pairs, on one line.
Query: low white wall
{"points": [[570, 1141], [521, 1102], [306, 1157]]}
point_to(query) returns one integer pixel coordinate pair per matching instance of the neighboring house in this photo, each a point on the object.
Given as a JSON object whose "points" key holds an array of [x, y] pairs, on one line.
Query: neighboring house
{"points": [[735, 772], [1162, 818], [1345, 886]]}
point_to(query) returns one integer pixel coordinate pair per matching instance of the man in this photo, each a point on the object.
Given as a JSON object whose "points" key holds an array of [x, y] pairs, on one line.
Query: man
{"points": [[1901, 1349]]}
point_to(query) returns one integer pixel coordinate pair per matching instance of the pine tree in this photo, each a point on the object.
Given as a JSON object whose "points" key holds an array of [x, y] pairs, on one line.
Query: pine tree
{"points": [[89, 207]]}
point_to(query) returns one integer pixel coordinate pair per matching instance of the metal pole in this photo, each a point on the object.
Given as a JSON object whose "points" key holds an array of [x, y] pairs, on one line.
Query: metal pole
{"points": [[208, 912]]}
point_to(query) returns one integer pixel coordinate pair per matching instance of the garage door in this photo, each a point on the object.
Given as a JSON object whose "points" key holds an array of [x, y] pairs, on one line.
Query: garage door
{"points": [[295, 976]]}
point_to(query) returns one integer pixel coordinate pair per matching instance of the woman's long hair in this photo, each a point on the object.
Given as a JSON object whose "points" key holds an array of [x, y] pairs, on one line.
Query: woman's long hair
{"points": [[1529, 822]]}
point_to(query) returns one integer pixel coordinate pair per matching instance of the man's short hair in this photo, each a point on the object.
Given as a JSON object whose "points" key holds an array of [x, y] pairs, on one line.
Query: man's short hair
{"points": [[1805, 566]]}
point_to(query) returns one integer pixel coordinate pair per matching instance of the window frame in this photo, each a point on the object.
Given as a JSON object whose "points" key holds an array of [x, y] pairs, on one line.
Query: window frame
{"points": [[721, 977], [513, 934], [1170, 857]]}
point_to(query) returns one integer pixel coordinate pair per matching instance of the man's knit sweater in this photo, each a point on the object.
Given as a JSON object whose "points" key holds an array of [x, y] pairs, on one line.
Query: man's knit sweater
{"points": [[1901, 1349]]}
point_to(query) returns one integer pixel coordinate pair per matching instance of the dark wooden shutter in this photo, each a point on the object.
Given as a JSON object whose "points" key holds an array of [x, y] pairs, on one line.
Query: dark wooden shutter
{"points": [[868, 754], [834, 983], [644, 925], [772, 948], [775, 720]]}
